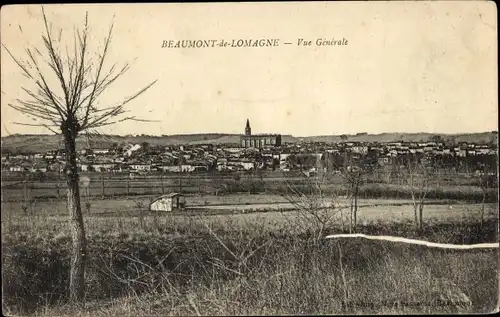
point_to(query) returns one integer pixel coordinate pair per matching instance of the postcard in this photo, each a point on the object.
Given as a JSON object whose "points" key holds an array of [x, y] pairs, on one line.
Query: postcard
{"points": [[249, 158]]}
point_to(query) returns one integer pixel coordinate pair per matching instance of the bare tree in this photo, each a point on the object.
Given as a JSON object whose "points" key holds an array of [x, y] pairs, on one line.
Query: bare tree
{"points": [[352, 176], [352, 173], [418, 183], [486, 182], [62, 95], [317, 208]]}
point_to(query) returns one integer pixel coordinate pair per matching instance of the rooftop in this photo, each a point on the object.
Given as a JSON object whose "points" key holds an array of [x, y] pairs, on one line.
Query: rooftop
{"points": [[262, 134]]}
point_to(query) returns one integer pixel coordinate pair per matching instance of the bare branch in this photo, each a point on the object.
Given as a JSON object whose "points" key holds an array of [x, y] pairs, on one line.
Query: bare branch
{"points": [[56, 60], [23, 67], [96, 82], [37, 125], [46, 91], [81, 83], [33, 112], [103, 119]]}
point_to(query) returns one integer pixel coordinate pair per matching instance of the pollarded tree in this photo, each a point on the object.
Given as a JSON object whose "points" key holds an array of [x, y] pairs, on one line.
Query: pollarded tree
{"points": [[64, 86]]}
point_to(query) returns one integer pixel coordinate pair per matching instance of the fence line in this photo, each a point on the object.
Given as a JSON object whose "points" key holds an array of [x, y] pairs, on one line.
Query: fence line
{"points": [[417, 242]]}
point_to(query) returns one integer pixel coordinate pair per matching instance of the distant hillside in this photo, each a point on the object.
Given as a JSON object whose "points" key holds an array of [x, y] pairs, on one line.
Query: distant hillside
{"points": [[19, 143], [44, 142]]}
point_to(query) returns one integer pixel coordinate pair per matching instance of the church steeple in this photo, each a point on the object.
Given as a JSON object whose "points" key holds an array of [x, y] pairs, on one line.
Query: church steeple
{"points": [[248, 130]]}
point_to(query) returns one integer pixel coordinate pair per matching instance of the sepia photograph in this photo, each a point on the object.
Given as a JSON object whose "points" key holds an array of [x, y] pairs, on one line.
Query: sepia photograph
{"points": [[251, 158]]}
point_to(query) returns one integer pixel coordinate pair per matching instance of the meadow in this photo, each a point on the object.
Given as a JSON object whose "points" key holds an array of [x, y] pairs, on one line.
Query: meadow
{"points": [[227, 204], [17, 187], [241, 249], [195, 263]]}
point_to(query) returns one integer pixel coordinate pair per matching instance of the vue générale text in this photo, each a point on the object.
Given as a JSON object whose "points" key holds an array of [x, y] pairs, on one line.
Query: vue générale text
{"points": [[252, 43]]}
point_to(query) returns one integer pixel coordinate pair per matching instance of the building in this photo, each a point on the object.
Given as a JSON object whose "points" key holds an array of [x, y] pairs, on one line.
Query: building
{"points": [[258, 140], [144, 167], [168, 202], [16, 168]]}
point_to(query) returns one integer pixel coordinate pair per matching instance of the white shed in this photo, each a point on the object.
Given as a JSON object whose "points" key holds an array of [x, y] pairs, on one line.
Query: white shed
{"points": [[168, 202]]}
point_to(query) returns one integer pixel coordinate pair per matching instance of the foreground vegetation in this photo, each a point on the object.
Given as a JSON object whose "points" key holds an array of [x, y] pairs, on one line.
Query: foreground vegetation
{"points": [[211, 265]]}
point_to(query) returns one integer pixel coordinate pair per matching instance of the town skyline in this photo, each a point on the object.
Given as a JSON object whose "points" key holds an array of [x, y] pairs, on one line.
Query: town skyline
{"points": [[242, 133], [439, 80]]}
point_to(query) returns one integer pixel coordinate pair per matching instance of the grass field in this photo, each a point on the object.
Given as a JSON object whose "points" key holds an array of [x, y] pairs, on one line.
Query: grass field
{"points": [[370, 209], [213, 259], [246, 264], [459, 187]]}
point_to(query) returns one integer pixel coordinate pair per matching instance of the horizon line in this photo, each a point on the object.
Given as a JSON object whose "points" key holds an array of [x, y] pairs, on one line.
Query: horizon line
{"points": [[241, 134]]}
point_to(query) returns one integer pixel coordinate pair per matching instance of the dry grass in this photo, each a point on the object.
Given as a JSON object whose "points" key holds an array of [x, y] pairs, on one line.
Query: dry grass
{"points": [[254, 264]]}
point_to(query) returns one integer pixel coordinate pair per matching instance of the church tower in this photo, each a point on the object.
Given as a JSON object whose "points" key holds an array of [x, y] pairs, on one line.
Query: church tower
{"points": [[248, 130]]}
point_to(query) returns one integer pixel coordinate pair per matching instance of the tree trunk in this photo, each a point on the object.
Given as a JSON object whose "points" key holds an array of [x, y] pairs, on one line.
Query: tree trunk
{"points": [[77, 272], [350, 216], [356, 207], [415, 214], [25, 195], [420, 215], [482, 209]]}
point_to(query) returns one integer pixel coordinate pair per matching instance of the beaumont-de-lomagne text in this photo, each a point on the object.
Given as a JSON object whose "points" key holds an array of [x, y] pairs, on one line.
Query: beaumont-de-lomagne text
{"points": [[263, 42]]}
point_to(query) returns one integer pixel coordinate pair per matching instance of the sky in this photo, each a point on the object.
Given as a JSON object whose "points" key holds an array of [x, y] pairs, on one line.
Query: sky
{"points": [[408, 66]]}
